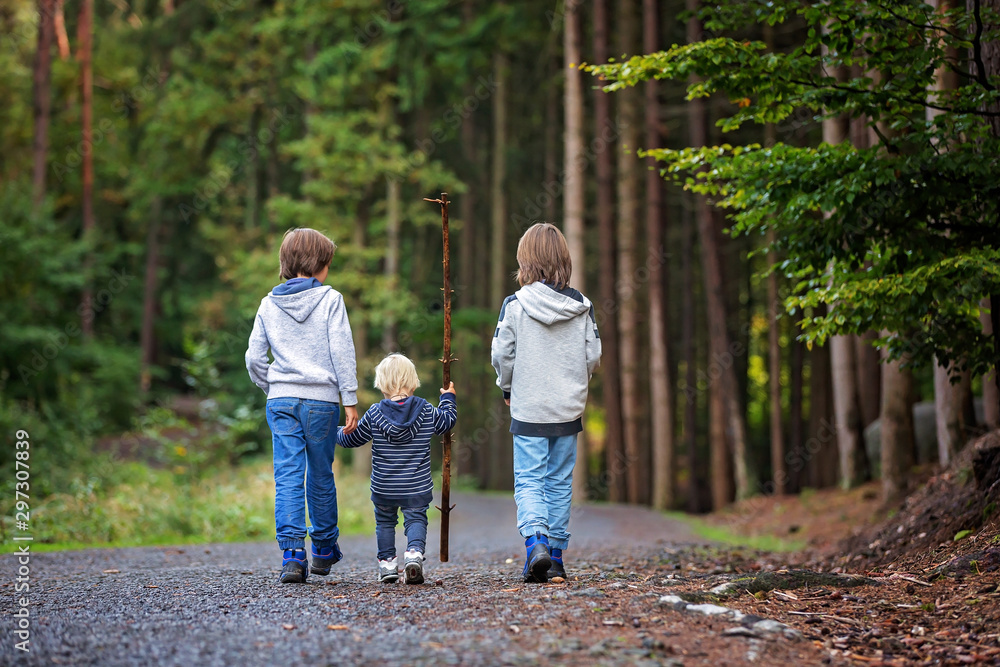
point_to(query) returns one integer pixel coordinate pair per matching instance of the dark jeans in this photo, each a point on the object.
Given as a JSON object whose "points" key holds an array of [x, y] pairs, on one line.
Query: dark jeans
{"points": [[414, 525]]}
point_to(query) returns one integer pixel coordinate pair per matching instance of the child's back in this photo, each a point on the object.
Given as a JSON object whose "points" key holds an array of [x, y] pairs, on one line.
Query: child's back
{"points": [[304, 325]]}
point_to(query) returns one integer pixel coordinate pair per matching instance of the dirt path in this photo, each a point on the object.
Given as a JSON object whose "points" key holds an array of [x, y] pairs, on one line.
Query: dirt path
{"points": [[222, 605]]}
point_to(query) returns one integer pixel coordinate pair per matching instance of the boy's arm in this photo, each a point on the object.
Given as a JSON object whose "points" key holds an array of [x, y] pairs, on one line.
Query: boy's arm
{"points": [[445, 414], [342, 353], [593, 344], [359, 436], [256, 356], [503, 348]]}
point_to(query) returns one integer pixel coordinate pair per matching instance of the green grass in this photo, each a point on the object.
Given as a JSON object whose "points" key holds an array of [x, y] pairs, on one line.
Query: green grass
{"points": [[722, 535], [155, 507]]}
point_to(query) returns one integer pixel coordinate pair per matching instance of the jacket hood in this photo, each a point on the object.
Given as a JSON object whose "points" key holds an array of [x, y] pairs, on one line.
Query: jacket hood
{"points": [[543, 302], [299, 297], [397, 420]]}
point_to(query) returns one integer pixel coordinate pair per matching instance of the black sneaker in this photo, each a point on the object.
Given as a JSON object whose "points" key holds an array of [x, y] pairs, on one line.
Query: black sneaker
{"points": [[556, 569], [294, 567], [537, 560], [323, 558]]}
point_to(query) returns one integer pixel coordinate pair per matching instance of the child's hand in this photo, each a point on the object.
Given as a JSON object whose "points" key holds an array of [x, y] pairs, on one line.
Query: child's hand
{"points": [[451, 389], [351, 413]]}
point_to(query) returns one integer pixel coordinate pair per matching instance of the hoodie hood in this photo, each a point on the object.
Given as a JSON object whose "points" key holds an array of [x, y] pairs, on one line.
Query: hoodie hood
{"points": [[543, 302], [397, 420], [299, 297]]}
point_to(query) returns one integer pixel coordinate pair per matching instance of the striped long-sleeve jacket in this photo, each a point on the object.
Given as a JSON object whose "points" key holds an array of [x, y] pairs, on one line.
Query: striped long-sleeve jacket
{"points": [[401, 432]]}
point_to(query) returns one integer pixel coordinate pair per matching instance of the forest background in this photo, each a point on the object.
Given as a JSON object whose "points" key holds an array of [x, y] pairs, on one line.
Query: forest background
{"points": [[152, 155]]}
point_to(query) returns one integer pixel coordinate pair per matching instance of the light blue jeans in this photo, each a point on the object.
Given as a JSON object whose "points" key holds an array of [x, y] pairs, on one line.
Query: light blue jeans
{"points": [[543, 486], [305, 437]]}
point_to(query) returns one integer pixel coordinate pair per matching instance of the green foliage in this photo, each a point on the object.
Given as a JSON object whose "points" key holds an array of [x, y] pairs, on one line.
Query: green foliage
{"points": [[900, 237]]}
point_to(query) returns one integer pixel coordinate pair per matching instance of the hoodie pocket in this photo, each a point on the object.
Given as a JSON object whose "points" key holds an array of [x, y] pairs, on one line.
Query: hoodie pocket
{"points": [[319, 422]]}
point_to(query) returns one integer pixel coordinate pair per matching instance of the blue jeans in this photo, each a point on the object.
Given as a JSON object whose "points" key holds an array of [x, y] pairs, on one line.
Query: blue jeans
{"points": [[305, 437], [414, 525], [543, 486]]}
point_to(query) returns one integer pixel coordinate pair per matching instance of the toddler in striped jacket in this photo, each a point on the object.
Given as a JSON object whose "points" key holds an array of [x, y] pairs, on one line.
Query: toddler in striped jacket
{"points": [[400, 428]]}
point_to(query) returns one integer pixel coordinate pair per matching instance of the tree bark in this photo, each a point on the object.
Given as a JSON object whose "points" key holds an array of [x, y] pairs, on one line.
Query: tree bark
{"points": [[636, 453], [950, 411], [42, 93], [573, 191], [869, 377], [896, 430], [614, 447], [59, 23], [660, 390], [85, 37]]}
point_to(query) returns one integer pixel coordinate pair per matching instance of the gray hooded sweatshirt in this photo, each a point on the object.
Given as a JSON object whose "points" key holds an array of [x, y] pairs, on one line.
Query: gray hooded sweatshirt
{"points": [[304, 324], [545, 348]]}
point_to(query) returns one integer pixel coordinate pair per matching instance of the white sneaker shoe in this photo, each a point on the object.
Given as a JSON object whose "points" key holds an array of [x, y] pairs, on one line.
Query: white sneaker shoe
{"points": [[413, 567], [388, 571]]}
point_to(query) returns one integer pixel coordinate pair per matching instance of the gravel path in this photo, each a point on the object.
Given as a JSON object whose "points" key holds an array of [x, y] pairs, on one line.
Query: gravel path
{"points": [[221, 604]]}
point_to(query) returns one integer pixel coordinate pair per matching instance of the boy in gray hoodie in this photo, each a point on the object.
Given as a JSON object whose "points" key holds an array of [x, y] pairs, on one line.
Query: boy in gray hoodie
{"points": [[304, 325], [545, 349]]}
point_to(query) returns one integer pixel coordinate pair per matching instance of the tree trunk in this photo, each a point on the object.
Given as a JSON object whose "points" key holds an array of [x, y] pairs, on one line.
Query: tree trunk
{"points": [[85, 37], [637, 465], [42, 93], [695, 467], [361, 464], [502, 470], [991, 395], [896, 430], [821, 445], [147, 336], [869, 376], [573, 191], [795, 409], [660, 391], [391, 267], [59, 24], [951, 417], [614, 448]]}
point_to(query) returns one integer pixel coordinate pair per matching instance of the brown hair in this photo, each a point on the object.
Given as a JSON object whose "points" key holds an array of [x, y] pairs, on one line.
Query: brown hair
{"points": [[543, 255], [304, 252]]}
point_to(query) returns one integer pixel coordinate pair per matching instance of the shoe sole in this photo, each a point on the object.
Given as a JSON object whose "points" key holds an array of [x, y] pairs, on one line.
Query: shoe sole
{"points": [[414, 574], [320, 571], [293, 578], [538, 572], [388, 579]]}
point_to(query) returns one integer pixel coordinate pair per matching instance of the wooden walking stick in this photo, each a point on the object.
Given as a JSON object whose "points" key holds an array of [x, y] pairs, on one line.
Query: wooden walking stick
{"points": [[446, 360]]}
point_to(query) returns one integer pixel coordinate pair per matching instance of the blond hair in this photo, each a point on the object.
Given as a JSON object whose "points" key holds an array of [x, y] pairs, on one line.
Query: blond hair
{"points": [[543, 255], [396, 375], [304, 252]]}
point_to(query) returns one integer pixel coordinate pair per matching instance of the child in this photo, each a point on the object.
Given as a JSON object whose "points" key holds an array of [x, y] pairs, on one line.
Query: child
{"points": [[400, 428], [304, 324], [544, 350]]}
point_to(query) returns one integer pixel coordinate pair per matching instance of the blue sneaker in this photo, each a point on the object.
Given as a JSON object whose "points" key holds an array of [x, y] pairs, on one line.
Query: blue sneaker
{"points": [[323, 558], [556, 569], [537, 560], [294, 567]]}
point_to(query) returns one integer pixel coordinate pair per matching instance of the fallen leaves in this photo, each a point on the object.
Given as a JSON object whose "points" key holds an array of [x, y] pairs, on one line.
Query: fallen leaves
{"points": [[110, 571], [337, 627], [287, 626]]}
